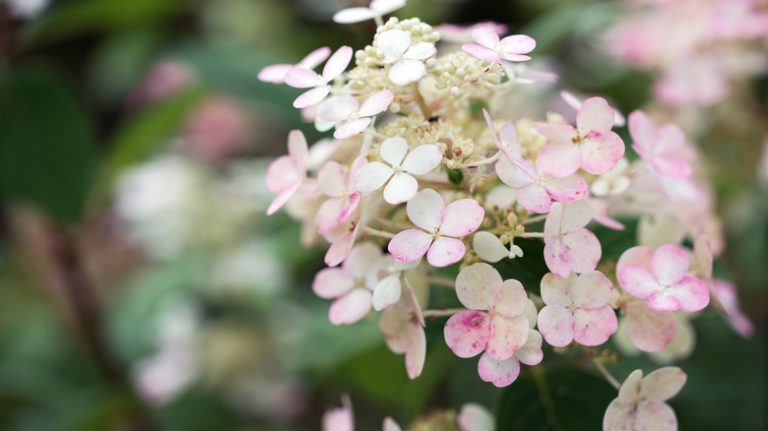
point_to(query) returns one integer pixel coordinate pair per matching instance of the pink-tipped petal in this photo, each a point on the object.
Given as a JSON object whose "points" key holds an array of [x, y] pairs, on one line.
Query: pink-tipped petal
{"points": [[467, 333], [461, 218], [499, 373], [599, 154], [336, 109], [517, 44], [312, 97], [512, 175], [445, 251], [425, 210], [409, 245], [486, 37], [401, 188], [595, 115], [642, 131], [351, 128], [531, 353], [594, 327], [422, 159], [332, 179], [299, 77], [351, 307], [481, 53], [507, 335], [556, 290], [663, 384], [591, 290], [619, 416], [282, 174], [329, 215], [638, 281], [650, 331], [332, 283], [376, 103], [509, 298], [416, 353], [281, 199], [338, 62], [655, 416], [314, 58], [534, 198], [274, 74], [562, 134], [559, 160], [556, 325], [568, 189], [670, 264], [689, 294]]}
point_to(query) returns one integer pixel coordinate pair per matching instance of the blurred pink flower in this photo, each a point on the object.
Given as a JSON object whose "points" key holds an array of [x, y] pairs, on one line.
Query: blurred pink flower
{"points": [[641, 402]]}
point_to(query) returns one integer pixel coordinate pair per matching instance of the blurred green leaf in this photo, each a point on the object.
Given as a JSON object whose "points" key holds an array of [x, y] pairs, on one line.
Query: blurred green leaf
{"points": [[528, 269], [46, 144]]}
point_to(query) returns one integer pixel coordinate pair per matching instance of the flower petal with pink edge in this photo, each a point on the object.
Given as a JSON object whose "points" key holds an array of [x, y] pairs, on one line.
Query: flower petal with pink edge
{"points": [[499, 373], [557, 133], [599, 154], [689, 294], [567, 189], [512, 175], [372, 176], [445, 251], [338, 62], [393, 150], [332, 283], [669, 264], [461, 218], [534, 198], [481, 53], [594, 327], [351, 128], [507, 334], [509, 298], [282, 199], [409, 245], [556, 290], [655, 416], [299, 77], [332, 179], [638, 281], [649, 330], [314, 58], [275, 73], [376, 103], [351, 307], [467, 333], [639, 255], [556, 325], [595, 115], [401, 188], [329, 215], [336, 109], [517, 44], [476, 285], [584, 249], [340, 247], [422, 159], [559, 160], [312, 97], [591, 290], [642, 131], [425, 210], [416, 353], [282, 174], [486, 37], [406, 71]]}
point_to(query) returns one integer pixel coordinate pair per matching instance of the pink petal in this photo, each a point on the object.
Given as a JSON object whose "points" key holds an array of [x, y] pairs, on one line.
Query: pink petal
{"points": [[559, 160], [407, 71], [638, 255], [299, 77], [332, 283], [599, 154], [531, 353], [337, 109], [663, 384], [507, 335], [642, 131], [511, 174], [556, 325], [409, 245], [376, 103], [282, 174], [393, 150], [509, 298], [416, 353], [351, 307], [425, 209], [298, 149], [585, 250], [329, 215], [461, 218], [568, 189], [422, 159], [332, 179], [594, 327], [638, 281], [556, 290], [595, 115], [353, 15], [481, 53], [314, 58], [351, 128], [467, 333], [655, 416], [499, 373], [517, 44], [372, 176], [274, 74], [672, 166], [338, 420], [562, 134], [534, 198], [650, 331], [281, 199], [338, 62], [689, 294], [619, 416], [591, 290], [476, 285], [445, 251], [670, 264], [401, 188], [312, 97], [485, 37], [340, 247]]}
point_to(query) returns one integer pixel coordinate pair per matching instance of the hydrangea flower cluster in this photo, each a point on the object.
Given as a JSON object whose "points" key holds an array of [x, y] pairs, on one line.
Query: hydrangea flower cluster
{"points": [[429, 176]]}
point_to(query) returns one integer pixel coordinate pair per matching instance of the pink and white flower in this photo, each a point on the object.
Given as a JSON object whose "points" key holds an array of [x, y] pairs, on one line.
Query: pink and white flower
{"points": [[336, 182], [350, 117], [276, 73], [440, 228], [403, 327], [641, 402], [568, 245], [376, 10], [591, 146], [405, 58], [488, 46], [399, 170], [389, 290], [319, 85], [663, 148], [727, 299], [495, 322], [286, 174], [648, 330], [350, 285], [577, 309], [574, 102], [662, 278]]}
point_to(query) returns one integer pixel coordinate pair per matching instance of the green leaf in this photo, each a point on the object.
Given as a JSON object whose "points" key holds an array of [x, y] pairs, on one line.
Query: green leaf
{"points": [[46, 144], [528, 269], [558, 399]]}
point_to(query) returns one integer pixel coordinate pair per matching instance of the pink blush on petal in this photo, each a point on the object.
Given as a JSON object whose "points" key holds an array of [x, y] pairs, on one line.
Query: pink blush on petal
{"points": [[467, 333]]}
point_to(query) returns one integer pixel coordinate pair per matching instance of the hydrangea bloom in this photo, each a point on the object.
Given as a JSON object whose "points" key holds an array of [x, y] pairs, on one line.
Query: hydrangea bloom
{"points": [[276, 73], [440, 228], [405, 57], [569, 246], [664, 148], [376, 10], [319, 85], [399, 170], [641, 402], [488, 46], [348, 116], [286, 174], [576, 308], [662, 279], [592, 145]]}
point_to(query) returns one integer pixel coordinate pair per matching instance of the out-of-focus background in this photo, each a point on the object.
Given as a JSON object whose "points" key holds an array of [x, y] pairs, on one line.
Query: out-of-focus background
{"points": [[143, 287]]}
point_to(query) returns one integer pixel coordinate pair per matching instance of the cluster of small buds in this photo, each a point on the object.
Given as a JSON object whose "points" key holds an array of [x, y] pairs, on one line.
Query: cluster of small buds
{"points": [[415, 182]]}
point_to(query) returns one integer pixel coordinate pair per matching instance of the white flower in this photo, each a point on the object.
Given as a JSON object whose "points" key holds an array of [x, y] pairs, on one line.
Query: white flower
{"points": [[319, 85], [406, 58], [348, 115], [376, 10]]}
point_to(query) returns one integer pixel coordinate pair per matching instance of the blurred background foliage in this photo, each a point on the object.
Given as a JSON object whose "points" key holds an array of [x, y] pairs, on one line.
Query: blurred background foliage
{"points": [[142, 287]]}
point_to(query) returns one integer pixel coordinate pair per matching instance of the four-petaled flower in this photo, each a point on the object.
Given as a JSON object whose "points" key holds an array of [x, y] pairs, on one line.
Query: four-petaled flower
{"points": [[376, 10], [319, 85], [488, 47], [641, 402], [662, 278], [568, 245], [440, 226], [351, 285], [403, 327], [576, 309], [276, 73], [664, 149], [406, 58], [337, 184], [591, 145], [286, 174], [349, 116], [400, 167], [495, 322]]}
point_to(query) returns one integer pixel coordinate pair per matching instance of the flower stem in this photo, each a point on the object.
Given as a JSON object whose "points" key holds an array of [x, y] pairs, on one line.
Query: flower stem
{"points": [[531, 235], [441, 313], [441, 281], [534, 219], [604, 371], [377, 232], [482, 162]]}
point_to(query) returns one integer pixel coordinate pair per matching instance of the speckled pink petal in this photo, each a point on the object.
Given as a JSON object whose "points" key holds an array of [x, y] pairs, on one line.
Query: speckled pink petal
{"points": [[656, 416], [351, 307], [409, 245], [594, 327], [567, 189], [425, 209], [461, 218], [591, 290], [481, 53], [507, 335], [689, 294], [669, 264], [467, 333], [557, 133], [559, 160], [599, 154], [401, 188], [476, 284], [499, 373], [332, 283], [638, 281], [556, 290], [509, 298], [534, 198], [556, 325], [595, 115], [619, 417], [650, 331], [530, 353], [445, 251]]}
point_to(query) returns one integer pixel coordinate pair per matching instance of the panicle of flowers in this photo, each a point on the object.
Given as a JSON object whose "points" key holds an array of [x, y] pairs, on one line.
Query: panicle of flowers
{"points": [[427, 171]]}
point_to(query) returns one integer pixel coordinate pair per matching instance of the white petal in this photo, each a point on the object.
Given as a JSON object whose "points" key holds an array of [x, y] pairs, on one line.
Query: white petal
{"points": [[338, 62], [376, 103], [486, 37], [489, 247], [387, 292], [401, 188], [353, 15], [422, 159], [420, 51], [298, 77], [393, 150], [425, 209], [393, 44], [406, 71], [314, 58], [336, 109], [351, 128], [372, 176]]}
